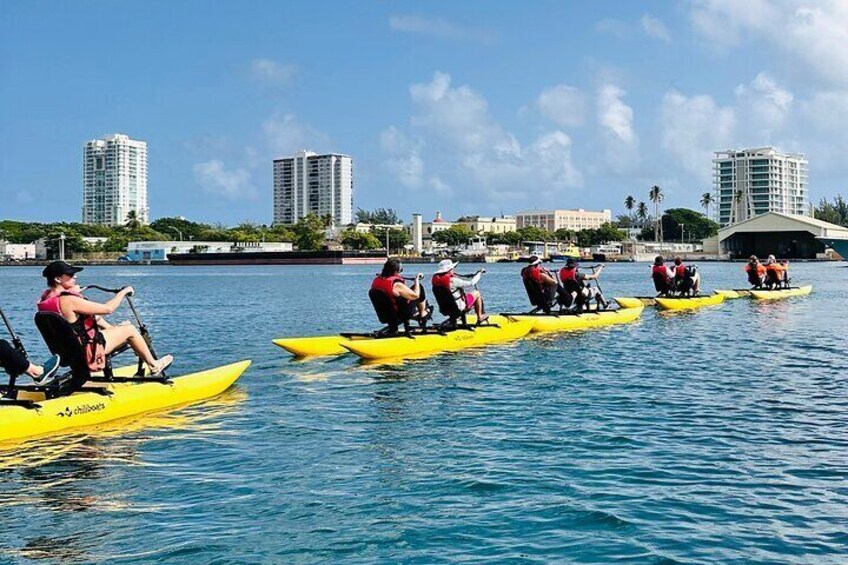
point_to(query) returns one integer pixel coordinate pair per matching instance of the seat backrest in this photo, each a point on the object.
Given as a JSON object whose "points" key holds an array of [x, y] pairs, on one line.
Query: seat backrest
{"points": [[384, 308], [534, 293], [447, 302], [61, 339], [660, 282]]}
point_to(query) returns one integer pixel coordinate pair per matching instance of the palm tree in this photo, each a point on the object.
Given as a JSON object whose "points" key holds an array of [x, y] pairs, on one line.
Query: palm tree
{"points": [[656, 196], [642, 213], [132, 223], [707, 200], [630, 203], [737, 201]]}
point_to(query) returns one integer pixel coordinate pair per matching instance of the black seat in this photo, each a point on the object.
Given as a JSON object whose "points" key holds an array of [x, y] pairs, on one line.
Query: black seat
{"points": [[448, 306], [571, 294], [386, 312], [61, 339], [661, 284], [538, 298]]}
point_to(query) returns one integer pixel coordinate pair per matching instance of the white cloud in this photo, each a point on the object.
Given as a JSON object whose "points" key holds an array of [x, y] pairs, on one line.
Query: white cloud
{"points": [[270, 71], [441, 187], [564, 105], [615, 120], [286, 135], [693, 128], [233, 185], [765, 105], [616, 28], [655, 28], [474, 151], [816, 37], [404, 160], [438, 27]]}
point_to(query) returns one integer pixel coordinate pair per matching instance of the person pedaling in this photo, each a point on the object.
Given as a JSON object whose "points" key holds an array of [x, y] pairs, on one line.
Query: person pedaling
{"points": [[663, 277], [756, 272], [575, 290], [456, 295], [396, 303], [97, 337], [776, 275], [687, 279], [540, 284]]}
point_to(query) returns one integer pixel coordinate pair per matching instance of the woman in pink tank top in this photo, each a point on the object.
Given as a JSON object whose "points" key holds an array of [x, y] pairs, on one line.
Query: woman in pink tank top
{"points": [[63, 297]]}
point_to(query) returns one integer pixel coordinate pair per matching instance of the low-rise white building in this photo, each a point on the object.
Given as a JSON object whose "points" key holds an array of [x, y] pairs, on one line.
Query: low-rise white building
{"points": [[159, 250], [16, 251], [553, 220]]}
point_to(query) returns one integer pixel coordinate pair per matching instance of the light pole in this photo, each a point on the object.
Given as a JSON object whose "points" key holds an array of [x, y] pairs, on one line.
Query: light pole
{"points": [[62, 246], [179, 233], [682, 239]]}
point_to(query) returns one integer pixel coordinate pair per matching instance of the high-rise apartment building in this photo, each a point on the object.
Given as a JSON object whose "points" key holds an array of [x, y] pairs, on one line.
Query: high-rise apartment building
{"points": [[750, 182], [114, 180], [307, 182]]}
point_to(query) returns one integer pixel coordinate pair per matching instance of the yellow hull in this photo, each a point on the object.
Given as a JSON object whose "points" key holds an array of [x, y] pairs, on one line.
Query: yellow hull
{"points": [[732, 294], [566, 322], [313, 346], [127, 399], [783, 293], [689, 303], [630, 302], [399, 347]]}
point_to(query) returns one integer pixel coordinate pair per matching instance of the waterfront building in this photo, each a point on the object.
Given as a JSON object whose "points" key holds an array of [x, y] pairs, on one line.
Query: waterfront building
{"points": [[553, 220], [114, 180], [16, 251], [488, 224], [752, 182], [307, 182], [159, 250], [429, 228], [783, 235]]}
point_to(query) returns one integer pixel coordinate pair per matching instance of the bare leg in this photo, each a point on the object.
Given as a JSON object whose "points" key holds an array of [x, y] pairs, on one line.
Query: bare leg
{"points": [[116, 336], [34, 370], [422, 309]]}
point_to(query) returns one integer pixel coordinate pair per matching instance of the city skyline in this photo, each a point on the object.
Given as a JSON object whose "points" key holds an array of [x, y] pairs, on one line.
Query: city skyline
{"points": [[442, 106]]}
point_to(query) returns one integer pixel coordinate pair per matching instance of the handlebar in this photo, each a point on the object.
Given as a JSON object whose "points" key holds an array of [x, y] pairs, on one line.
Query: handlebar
{"points": [[104, 289]]}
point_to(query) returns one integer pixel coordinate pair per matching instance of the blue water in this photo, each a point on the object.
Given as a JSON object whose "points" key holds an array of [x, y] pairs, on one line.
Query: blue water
{"points": [[714, 436]]}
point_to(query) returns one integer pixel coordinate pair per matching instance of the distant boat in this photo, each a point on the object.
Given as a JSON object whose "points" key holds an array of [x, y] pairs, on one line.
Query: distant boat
{"points": [[570, 252]]}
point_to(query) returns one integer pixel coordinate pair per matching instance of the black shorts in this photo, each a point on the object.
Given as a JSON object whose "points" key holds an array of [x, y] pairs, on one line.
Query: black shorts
{"points": [[13, 361]]}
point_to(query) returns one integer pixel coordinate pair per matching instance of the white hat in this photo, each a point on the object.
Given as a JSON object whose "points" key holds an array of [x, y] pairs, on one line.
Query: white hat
{"points": [[534, 260], [445, 265]]}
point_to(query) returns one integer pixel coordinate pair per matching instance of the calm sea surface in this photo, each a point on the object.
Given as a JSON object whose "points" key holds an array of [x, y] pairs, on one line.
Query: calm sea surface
{"points": [[714, 436]]}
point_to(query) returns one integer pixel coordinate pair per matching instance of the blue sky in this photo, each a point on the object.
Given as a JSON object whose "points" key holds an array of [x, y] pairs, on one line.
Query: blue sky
{"points": [[464, 107]]}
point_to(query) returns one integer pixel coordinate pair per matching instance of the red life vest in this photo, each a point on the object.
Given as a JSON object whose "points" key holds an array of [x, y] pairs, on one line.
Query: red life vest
{"points": [[660, 270], [680, 271], [568, 274], [85, 328], [532, 273], [386, 285], [442, 280]]}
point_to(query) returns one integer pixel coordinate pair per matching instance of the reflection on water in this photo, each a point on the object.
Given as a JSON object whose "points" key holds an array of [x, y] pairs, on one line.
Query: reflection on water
{"points": [[75, 472], [716, 435]]}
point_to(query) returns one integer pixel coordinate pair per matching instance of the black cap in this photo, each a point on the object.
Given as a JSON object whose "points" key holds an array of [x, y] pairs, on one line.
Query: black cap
{"points": [[59, 268], [571, 261]]}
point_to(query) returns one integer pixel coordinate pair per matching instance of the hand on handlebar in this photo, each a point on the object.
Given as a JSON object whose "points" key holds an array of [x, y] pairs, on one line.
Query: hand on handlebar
{"points": [[419, 276], [128, 291]]}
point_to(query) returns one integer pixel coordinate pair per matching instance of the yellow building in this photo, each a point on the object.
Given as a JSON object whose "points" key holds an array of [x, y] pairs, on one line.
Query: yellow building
{"points": [[488, 224]]}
